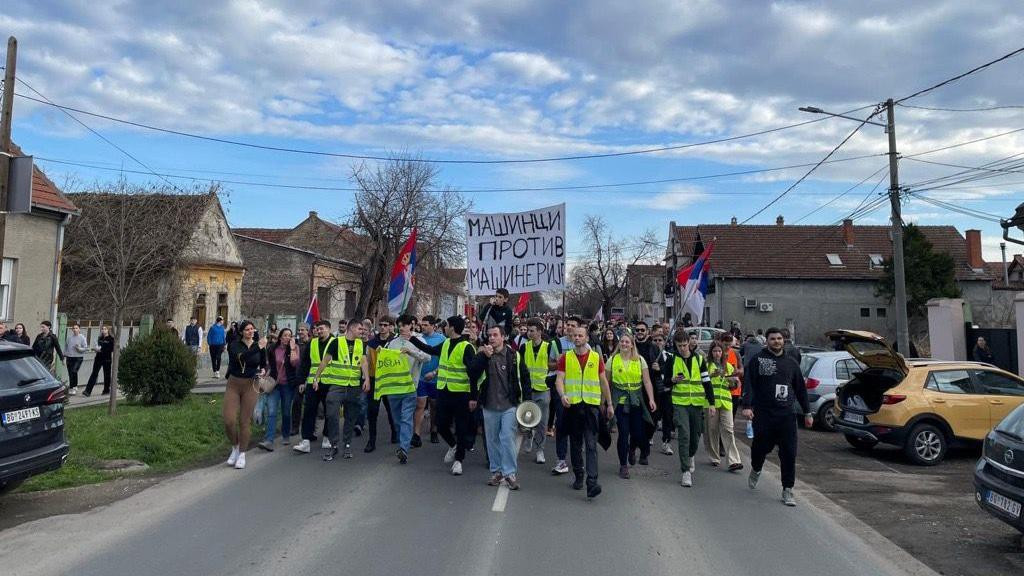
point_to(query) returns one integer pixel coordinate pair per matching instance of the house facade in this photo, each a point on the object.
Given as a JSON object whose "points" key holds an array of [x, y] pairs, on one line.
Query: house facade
{"points": [[812, 279], [645, 292]]}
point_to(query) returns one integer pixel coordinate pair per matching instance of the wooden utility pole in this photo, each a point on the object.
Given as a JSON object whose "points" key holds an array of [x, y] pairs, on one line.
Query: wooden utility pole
{"points": [[900, 278], [6, 112]]}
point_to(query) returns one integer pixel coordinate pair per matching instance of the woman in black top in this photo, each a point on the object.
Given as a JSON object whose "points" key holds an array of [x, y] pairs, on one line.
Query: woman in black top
{"points": [[608, 344], [104, 357], [247, 361], [21, 334]]}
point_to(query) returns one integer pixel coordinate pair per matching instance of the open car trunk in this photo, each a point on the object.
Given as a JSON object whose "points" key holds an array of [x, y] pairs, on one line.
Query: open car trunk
{"points": [[862, 394]]}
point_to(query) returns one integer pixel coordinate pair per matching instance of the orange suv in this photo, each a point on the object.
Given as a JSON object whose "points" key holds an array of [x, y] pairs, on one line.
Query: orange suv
{"points": [[921, 405]]}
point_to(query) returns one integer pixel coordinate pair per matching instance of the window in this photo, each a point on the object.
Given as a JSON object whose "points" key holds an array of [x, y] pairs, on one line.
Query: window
{"points": [[6, 286], [222, 306], [950, 382], [834, 260], [1014, 423], [880, 312], [876, 260], [23, 368], [865, 312], [807, 362], [990, 382], [842, 370]]}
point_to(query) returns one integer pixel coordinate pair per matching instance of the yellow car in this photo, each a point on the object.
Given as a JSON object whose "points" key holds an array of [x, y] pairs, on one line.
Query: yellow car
{"points": [[920, 405]]}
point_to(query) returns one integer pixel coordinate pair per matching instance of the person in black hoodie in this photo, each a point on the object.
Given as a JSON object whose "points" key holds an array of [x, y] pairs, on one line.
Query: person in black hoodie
{"points": [[772, 381], [497, 312], [504, 383]]}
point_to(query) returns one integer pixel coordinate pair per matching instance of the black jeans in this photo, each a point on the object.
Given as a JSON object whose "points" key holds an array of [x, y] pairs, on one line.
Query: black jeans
{"points": [[311, 401], [581, 421], [666, 413], [97, 364], [631, 431], [73, 363], [216, 350], [453, 408], [373, 411], [771, 432]]}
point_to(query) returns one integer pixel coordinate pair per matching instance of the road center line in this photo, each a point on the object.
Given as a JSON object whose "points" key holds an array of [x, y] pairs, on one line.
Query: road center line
{"points": [[501, 498]]}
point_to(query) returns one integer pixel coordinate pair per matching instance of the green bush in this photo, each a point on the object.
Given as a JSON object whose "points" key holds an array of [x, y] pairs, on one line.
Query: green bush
{"points": [[157, 369]]}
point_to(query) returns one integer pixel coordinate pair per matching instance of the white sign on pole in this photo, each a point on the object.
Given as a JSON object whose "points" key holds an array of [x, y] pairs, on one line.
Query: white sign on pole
{"points": [[521, 252]]}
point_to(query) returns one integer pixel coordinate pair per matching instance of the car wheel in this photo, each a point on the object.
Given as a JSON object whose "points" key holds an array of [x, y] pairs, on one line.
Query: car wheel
{"points": [[860, 443], [926, 445], [826, 419]]}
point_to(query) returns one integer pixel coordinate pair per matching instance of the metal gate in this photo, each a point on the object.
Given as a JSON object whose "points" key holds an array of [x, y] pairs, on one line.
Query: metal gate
{"points": [[1001, 341]]}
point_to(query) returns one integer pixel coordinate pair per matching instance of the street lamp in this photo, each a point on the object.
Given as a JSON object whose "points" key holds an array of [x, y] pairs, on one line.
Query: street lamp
{"points": [[900, 280], [1017, 220]]}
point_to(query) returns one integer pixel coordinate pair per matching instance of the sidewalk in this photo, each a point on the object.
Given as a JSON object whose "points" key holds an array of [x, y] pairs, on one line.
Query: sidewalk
{"points": [[205, 384]]}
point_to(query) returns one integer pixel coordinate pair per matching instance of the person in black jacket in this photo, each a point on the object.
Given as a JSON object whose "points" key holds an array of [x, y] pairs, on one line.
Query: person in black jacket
{"points": [[982, 353], [46, 347], [497, 312], [772, 381], [504, 383], [103, 360]]}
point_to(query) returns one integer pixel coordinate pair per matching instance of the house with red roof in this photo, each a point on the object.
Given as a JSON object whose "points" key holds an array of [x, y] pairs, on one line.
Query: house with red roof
{"points": [[33, 246]]}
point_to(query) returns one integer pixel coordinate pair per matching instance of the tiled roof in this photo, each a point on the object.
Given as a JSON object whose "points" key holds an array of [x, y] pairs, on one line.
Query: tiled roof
{"points": [[276, 235], [767, 251], [45, 193]]}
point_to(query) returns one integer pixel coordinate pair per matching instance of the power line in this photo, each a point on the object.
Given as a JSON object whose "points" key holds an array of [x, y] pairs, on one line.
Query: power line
{"points": [[844, 193], [986, 109], [468, 191], [959, 144], [969, 174], [959, 76], [431, 160], [958, 209], [970, 168], [809, 172]]}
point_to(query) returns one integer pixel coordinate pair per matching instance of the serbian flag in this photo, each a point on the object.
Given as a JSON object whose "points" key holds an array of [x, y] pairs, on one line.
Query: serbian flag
{"points": [[524, 300], [402, 277], [694, 280], [313, 313]]}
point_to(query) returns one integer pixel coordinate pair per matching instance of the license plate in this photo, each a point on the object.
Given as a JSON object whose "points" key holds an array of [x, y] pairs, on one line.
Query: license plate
{"points": [[1011, 507], [855, 418], [21, 415]]}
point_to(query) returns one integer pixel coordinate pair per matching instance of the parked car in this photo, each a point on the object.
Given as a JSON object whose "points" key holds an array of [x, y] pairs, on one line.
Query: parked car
{"points": [[922, 405], [809, 349], [823, 373], [705, 336], [999, 475], [32, 437]]}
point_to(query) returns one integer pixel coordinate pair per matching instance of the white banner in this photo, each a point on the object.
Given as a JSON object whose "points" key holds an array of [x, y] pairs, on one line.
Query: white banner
{"points": [[521, 252]]}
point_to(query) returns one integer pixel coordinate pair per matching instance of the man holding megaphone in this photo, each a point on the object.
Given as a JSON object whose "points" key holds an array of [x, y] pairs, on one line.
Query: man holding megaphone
{"points": [[504, 384]]}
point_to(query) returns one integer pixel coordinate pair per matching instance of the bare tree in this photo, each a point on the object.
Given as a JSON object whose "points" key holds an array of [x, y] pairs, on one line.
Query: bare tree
{"points": [[603, 272], [124, 255], [396, 196]]}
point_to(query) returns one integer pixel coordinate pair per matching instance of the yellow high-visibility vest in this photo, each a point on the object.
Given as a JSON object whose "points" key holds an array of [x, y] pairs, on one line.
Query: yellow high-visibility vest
{"points": [[346, 371], [688, 392], [452, 374], [392, 374], [537, 364], [583, 383]]}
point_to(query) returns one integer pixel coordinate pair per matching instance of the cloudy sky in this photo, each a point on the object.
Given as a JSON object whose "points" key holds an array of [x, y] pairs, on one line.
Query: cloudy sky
{"points": [[485, 80]]}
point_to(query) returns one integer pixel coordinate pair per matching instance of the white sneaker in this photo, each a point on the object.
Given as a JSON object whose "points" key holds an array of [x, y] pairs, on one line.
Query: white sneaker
{"points": [[302, 446], [449, 456], [457, 468], [325, 444], [540, 457], [687, 480], [73, 391], [216, 374], [240, 463], [666, 448], [233, 457]]}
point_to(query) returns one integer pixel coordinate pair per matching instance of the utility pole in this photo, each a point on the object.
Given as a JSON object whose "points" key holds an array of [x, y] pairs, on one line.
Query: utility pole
{"points": [[900, 280], [6, 112]]}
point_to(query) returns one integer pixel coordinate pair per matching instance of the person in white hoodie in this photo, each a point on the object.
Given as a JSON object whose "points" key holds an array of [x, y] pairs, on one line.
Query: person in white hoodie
{"points": [[403, 405]]}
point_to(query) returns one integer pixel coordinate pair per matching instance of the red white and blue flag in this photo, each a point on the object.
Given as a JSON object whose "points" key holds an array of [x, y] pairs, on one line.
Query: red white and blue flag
{"points": [[313, 313], [403, 277], [694, 280]]}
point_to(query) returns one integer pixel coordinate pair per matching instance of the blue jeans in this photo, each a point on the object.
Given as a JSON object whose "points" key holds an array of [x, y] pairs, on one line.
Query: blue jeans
{"points": [[280, 400], [500, 429], [403, 406]]}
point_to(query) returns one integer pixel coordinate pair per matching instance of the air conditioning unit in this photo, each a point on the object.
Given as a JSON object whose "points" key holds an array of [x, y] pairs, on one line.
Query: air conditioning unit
{"points": [[749, 303], [767, 307]]}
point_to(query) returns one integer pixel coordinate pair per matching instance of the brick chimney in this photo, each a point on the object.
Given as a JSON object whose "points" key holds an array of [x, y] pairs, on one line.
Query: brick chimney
{"points": [[848, 232], [312, 214], [780, 221], [974, 250], [733, 221]]}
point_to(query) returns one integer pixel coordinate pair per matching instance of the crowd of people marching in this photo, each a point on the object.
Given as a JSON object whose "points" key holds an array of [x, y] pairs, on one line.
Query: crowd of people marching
{"points": [[456, 378]]}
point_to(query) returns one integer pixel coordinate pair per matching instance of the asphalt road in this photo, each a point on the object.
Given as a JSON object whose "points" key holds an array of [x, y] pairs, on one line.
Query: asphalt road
{"points": [[294, 514]]}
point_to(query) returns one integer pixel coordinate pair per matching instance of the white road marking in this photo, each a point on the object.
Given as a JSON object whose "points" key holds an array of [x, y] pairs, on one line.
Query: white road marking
{"points": [[501, 498]]}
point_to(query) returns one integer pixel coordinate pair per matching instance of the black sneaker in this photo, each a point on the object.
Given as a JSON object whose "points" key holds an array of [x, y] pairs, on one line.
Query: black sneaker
{"points": [[358, 430], [433, 438], [593, 491], [370, 447], [632, 457], [402, 456], [330, 453], [416, 441], [348, 452], [577, 484]]}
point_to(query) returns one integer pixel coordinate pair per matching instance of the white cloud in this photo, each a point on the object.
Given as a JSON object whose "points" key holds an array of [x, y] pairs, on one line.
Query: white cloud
{"points": [[532, 68], [676, 197]]}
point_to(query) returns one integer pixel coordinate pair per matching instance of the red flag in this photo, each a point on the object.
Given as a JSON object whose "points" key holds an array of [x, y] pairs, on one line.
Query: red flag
{"points": [[524, 299]]}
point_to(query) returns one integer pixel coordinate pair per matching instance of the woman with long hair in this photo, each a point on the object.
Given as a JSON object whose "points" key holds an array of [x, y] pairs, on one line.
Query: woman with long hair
{"points": [[719, 427], [22, 334], [285, 361], [608, 344], [629, 378], [247, 361]]}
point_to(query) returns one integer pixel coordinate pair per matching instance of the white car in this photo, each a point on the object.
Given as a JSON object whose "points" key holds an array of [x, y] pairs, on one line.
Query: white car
{"points": [[824, 372]]}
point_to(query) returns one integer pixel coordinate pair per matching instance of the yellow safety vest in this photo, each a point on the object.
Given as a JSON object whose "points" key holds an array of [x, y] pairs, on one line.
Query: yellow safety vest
{"points": [[626, 376], [347, 372], [689, 392], [452, 374], [392, 374], [723, 395], [314, 361], [537, 364], [583, 383]]}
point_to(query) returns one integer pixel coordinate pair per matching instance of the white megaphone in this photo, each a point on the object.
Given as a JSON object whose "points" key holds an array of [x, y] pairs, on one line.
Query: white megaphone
{"points": [[528, 414]]}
